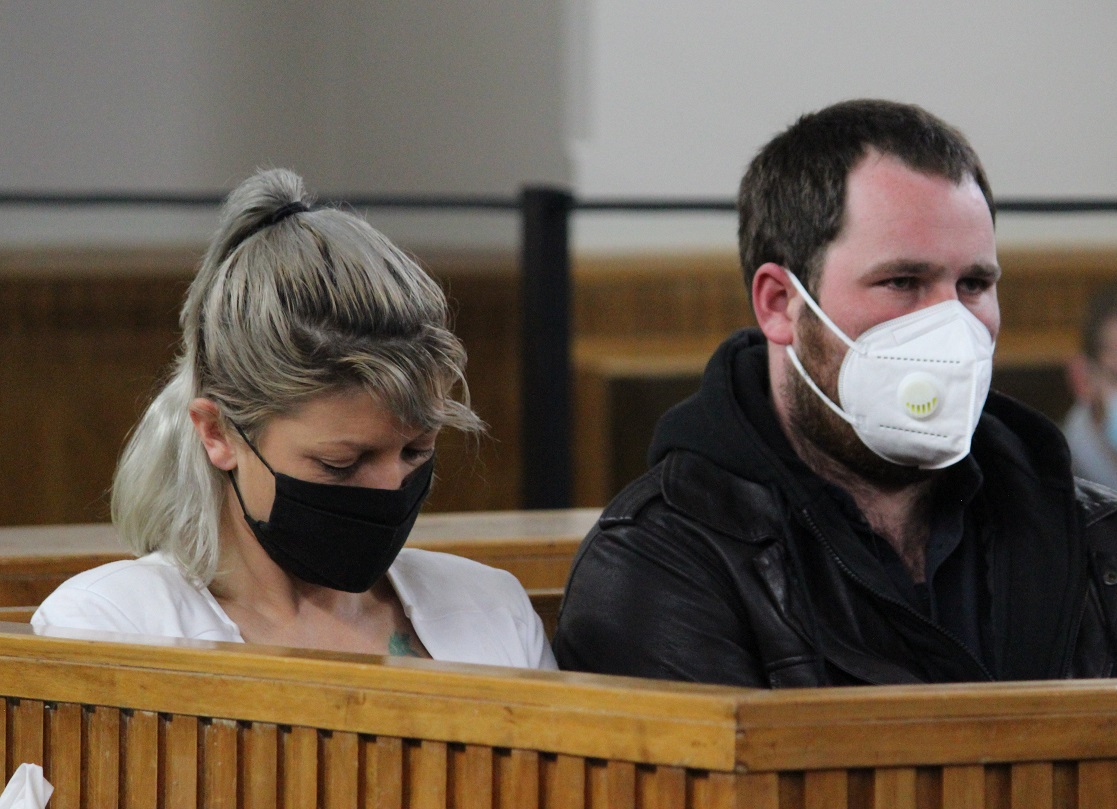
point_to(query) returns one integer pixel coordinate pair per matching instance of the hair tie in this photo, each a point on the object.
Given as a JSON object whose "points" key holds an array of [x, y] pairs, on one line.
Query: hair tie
{"points": [[275, 217], [282, 212]]}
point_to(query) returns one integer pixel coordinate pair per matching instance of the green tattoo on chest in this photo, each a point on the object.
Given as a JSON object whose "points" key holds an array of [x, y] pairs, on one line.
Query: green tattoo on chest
{"points": [[400, 644]]}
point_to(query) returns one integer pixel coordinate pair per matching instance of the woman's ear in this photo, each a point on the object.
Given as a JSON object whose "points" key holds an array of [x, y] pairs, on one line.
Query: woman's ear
{"points": [[207, 424], [773, 301]]}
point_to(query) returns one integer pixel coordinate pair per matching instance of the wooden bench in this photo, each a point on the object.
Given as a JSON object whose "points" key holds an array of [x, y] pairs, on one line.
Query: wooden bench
{"points": [[173, 724], [535, 546]]}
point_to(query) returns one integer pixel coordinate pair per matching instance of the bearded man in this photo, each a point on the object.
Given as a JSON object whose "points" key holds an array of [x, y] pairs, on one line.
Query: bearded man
{"points": [[844, 501]]}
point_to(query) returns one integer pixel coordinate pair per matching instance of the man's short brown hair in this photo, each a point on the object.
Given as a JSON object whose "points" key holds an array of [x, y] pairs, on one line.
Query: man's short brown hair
{"points": [[791, 203]]}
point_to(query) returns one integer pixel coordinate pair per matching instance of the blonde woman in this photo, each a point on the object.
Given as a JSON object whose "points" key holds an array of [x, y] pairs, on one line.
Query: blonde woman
{"points": [[269, 487]]}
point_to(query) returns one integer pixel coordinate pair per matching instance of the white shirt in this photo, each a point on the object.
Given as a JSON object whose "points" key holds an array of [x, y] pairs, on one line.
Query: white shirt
{"points": [[461, 610]]}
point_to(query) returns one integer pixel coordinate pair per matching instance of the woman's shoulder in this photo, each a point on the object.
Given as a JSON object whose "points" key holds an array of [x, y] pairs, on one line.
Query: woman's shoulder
{"points": [[431, 578], [148, 596], [468, 612]]}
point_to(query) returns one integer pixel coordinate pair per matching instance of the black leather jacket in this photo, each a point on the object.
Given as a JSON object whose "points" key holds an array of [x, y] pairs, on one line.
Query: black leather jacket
{"points": [[728, 562]]}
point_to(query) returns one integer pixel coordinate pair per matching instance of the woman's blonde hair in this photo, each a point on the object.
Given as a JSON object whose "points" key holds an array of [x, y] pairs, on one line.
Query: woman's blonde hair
{"points": [[290, 302]]}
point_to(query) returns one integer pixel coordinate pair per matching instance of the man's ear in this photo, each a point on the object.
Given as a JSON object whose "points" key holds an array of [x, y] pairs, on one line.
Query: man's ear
{"points": [[207, 424], [773, 300]]}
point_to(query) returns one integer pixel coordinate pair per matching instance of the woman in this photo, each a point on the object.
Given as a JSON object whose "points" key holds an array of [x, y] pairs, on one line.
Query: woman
{"points": [[270, 485]]}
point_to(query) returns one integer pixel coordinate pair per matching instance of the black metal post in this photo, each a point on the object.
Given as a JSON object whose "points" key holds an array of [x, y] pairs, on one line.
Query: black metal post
{"points": [[545, 376]]}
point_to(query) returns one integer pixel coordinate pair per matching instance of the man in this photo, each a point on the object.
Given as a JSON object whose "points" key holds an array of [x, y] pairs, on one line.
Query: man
{"points": [[817, 514], [1091, 425]]}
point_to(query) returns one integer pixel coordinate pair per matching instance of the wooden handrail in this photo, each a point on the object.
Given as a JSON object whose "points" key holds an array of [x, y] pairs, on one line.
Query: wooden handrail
{"points": [[161, 722]]}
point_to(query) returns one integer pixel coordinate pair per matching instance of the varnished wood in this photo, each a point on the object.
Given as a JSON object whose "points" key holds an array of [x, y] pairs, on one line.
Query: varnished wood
{"points": [[339, 761], [140, 784], [219, 764], [331, 730], [86, 333], [101, 762], [298, 760], [535, 546], [258, 760], [63, 756]]}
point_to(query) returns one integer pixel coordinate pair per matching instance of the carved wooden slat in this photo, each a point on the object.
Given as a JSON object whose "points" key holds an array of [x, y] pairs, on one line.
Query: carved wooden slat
{"points": [[661, 786], [963, 786], [140, 765], [894, 788], [758, 790], [1032, 786], [382, 775], [101, 770], [517, 780], [299, 766], [63, 754], [1097, 784], [178, 762], [219, 764], [339, 770], [714, 790], [826, 789], [5, 736], [563, 782], [426, 774], [471, 777], [258, 765], [622, 784], [27, 730]]}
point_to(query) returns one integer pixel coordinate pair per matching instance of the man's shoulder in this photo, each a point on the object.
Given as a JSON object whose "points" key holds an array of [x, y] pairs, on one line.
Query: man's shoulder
{"points": [[686, 488]]}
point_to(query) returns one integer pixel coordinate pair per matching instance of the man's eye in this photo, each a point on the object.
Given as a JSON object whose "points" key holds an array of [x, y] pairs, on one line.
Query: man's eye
{"points": [[903, 283], [974, 285]]}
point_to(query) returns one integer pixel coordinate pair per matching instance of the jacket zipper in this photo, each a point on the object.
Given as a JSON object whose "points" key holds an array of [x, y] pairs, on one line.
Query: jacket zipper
{"points": [[884, 597]]}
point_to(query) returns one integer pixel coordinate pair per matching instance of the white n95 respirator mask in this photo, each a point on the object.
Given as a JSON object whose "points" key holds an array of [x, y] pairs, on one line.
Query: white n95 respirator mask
{"points": [[912, 387]]}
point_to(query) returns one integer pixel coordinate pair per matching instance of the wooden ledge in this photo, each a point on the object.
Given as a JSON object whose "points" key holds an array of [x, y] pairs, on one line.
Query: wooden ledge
{"points": [[604, 717]]}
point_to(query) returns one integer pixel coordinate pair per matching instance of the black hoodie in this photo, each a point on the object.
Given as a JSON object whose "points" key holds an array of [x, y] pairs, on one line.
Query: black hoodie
{"points": [[730, 561]]}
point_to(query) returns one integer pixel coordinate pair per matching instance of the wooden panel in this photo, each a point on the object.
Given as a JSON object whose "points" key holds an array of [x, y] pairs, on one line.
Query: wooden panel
{"points": [[140, 782], [298, 754], [425, 767], [894, 788], [178, 762], [660, 787], [26, 718], [825, 789], [760, 791], [715, 790], [563, 782], [63, 755], [1032, 786], [470, 777], [339, 765], [101, 760], [1097, 784], [219, 764], [963, 786], [258, 770], [383, 773]]}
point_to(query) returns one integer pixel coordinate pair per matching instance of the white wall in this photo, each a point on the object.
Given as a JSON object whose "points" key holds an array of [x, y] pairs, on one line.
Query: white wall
{"points": [[614, 97], [453, 96], [679, 95]]}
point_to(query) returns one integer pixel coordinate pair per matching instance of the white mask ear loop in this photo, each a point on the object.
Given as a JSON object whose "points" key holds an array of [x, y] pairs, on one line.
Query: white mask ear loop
{"points": [[795, 358], [795, 282]]}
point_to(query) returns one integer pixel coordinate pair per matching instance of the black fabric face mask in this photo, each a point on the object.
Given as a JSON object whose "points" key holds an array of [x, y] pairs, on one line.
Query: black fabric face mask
{"points": [[341, 537]]}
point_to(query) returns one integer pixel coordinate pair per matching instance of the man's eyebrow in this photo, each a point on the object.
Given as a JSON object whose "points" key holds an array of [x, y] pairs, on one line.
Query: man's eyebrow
{"points": [[991, 272]]}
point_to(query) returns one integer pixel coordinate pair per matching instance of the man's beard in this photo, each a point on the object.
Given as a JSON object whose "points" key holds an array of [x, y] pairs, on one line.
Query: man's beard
{"points": [[824, 430]]}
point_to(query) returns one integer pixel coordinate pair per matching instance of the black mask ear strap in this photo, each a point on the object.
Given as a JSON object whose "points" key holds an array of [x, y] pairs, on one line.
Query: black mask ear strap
{"points": [[255, 451], [236, 490]]}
